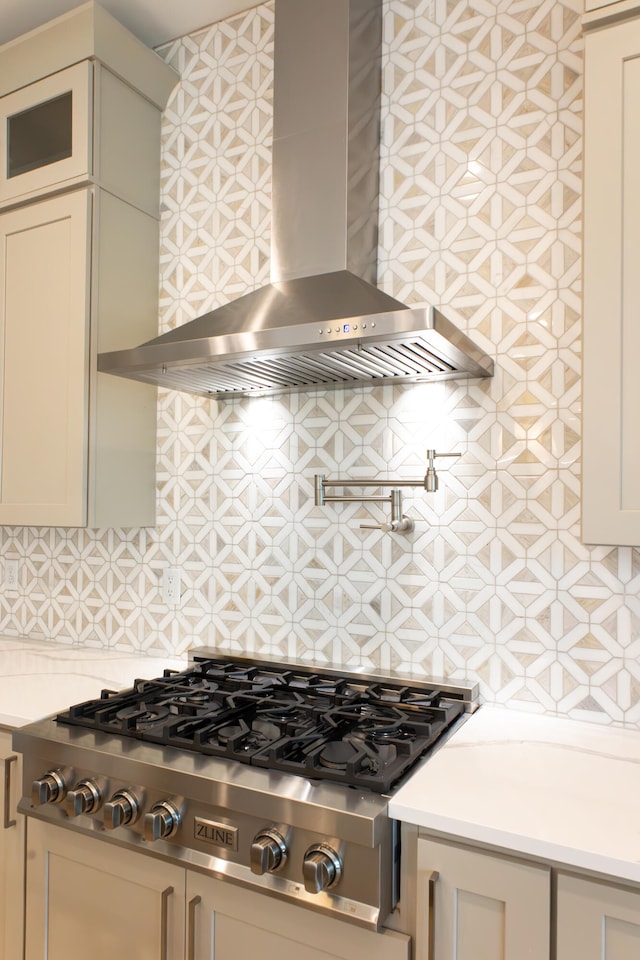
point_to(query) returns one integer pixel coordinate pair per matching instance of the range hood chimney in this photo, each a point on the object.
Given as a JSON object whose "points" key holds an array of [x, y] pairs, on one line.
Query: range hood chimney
{"points": [[321, 322]]}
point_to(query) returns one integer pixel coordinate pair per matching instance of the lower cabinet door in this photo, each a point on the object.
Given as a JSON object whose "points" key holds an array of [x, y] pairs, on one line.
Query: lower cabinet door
{"points": [[225, 922], [597, 921], [480, 906], [91, 897]]}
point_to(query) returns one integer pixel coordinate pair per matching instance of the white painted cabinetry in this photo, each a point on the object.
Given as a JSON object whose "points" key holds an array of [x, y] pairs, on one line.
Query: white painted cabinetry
{"points": [[114, 902], [123, 904], [474, 905], [76, 448], [597, 921], [477, 904], [11, 854], [611, 385], [79, 208]]}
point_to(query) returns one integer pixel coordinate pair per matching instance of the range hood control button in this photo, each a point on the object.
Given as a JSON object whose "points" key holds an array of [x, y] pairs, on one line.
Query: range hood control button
{"points": [[85, 798], [268, 852], [123, 808], [321, 868], [50, 788], [162, 821]]}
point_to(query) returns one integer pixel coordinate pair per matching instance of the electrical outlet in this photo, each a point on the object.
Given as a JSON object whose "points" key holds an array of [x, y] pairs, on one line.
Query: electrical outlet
{"points": [[171, 586], [11, 574]]}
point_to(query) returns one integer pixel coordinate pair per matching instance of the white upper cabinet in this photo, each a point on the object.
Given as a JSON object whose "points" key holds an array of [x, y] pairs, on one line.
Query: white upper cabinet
{"points": [[611, 385], [80, 103], [45, 133], [80, 114]]}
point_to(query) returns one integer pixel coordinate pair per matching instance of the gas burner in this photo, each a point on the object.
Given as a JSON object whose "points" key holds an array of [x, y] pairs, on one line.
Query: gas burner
{"points": [[142, 717], [370, 711], [380, 731], [282, 713], [356, 756], [337, 754], [373, 720], [199, 698], [397, 735], [262, 734], [238, 739], [226, 735]]}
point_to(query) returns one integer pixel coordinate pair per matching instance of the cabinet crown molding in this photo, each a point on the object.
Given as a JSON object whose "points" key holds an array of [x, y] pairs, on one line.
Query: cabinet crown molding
{"points": [[87, 32]]}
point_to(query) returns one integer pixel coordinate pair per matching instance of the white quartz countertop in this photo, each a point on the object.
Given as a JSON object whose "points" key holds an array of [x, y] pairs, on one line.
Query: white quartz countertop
{"points": [[557, 789], [38, 679]]}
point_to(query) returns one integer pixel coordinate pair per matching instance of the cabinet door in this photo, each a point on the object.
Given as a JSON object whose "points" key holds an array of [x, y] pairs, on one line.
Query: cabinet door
{"points": [[44, 337], [86, 895], [11, 854], [597, 921], [479, 906], [45, 133], [225, 922], [611, 386]]}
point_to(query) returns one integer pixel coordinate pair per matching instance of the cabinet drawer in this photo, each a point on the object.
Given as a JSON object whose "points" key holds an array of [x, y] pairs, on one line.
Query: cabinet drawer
{"points": [[45, 133]]}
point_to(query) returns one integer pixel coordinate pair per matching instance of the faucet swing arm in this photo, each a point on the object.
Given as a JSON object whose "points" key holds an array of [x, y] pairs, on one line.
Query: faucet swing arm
{"points": [[399, 523]]}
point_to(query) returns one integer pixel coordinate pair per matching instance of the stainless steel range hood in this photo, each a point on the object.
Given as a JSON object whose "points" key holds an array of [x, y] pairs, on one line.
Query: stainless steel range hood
{"points": [[321, 322]]}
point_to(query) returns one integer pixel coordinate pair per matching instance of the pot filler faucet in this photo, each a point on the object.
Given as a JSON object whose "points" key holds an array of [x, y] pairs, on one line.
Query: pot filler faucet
{"points": [[399, 523]]}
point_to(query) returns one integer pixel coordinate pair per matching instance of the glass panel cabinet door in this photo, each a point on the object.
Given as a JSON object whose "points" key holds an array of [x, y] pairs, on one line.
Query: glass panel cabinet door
{"points": [[45, 133]]}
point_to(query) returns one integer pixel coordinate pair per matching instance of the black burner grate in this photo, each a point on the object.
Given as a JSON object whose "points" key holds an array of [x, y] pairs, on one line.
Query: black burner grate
{"points": [[365, 735]]}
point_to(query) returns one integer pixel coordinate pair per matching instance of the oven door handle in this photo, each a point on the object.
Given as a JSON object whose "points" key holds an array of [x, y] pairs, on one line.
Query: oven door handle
{"points": [[191, 928], [164, 923], [7, 821], [426, 919]]}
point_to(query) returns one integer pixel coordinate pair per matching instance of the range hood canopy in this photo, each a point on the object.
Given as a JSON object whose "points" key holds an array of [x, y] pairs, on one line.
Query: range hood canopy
{"points": [[321, 322]]}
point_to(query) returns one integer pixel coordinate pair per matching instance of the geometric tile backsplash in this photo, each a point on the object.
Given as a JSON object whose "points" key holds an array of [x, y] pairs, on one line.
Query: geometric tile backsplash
{"points": [[480, 214]]}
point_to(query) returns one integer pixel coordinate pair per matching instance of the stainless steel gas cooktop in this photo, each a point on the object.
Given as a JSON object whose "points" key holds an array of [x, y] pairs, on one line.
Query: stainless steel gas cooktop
{"points": [[270, 775]]}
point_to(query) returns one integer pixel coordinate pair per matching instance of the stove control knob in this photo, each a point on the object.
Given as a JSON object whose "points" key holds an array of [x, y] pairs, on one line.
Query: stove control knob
{"points": [[162, 821], [268, 852], [321, 868], [86, 797], [50, 788], [123, 808]]}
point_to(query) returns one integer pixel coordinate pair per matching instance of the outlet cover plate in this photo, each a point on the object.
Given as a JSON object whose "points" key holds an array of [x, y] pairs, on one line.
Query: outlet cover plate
{"points": [[171, 586]]}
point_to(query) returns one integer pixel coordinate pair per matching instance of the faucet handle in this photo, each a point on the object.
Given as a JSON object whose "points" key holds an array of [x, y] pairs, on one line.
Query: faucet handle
{"points": [[431, 477]]}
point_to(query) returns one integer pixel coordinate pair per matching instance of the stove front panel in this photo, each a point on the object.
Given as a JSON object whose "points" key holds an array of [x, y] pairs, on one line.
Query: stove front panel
{"points": [[217, 826]]}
